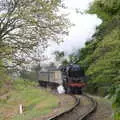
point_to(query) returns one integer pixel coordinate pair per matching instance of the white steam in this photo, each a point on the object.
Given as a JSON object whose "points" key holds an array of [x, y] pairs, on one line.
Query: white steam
{"points": [[60, 89], [85, 26]]}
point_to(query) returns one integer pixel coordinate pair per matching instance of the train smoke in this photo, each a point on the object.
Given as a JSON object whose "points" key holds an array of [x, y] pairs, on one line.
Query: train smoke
{"points": [[85, 27]]}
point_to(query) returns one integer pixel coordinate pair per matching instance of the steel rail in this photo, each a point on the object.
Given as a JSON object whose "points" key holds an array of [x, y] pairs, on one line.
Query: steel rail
{"points": [[67, 111], [75, 108]]}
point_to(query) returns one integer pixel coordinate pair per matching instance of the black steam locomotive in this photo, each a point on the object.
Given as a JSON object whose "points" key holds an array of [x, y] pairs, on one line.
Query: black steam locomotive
{"points": [[73, 78]]}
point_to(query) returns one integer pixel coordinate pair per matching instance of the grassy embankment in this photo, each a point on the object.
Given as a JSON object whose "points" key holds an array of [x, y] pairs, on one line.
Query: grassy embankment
{"points": [[36, 102]]}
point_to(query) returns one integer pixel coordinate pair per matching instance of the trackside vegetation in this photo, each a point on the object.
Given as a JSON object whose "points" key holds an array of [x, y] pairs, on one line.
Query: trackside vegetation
{"points": [[36, 102], [26, 27], [101, 55]]}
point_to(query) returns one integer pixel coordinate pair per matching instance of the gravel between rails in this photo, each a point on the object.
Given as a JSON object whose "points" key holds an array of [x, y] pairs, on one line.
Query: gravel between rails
{"points": [[80, 111]]}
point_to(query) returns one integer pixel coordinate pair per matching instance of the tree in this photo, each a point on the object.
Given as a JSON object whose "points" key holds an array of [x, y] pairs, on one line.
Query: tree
{"points": [[26, 25], [59, 55]]}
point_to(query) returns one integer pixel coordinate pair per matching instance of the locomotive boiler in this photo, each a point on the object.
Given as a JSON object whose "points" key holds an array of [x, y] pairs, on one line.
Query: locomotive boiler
{"points": [[73, 78]]}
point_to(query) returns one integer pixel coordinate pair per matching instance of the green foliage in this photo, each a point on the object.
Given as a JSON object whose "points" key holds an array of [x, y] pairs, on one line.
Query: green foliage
{"points": [[26, 25], [59, 55], [21, 84], [65, 62], [29, 75], [101, 56], [105, 9], [5, 82], [106, 59], [36, 102]]}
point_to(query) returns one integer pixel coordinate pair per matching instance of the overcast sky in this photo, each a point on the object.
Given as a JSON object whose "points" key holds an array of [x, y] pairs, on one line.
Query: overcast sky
{"points": [[84, 28]]}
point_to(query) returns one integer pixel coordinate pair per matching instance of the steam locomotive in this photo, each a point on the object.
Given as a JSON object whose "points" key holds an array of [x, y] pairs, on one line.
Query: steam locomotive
{"points": [[73, 78]]}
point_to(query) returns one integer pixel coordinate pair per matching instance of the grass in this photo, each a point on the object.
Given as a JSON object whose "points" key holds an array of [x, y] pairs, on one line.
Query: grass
{"points": [[36, 102]]}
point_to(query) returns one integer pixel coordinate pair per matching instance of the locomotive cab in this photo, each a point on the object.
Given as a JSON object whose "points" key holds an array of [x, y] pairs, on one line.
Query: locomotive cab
{"points": [[73, 78]]}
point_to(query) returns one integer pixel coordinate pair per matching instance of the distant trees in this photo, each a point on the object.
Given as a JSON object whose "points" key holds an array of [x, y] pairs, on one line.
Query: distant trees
{"points": [[26, 25], [66, 59], [59, 55], [61, 58]]}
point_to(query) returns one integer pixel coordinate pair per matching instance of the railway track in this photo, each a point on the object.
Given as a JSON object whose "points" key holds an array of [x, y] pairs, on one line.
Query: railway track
{"points": [[83, 107]]}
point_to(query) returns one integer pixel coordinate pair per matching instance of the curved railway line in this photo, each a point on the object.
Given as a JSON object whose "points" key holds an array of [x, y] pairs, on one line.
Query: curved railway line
{"points": [[81, 110]]}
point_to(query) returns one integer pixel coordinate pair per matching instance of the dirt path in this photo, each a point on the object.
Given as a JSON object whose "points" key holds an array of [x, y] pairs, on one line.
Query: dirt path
{"points": [[103, 111]]}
